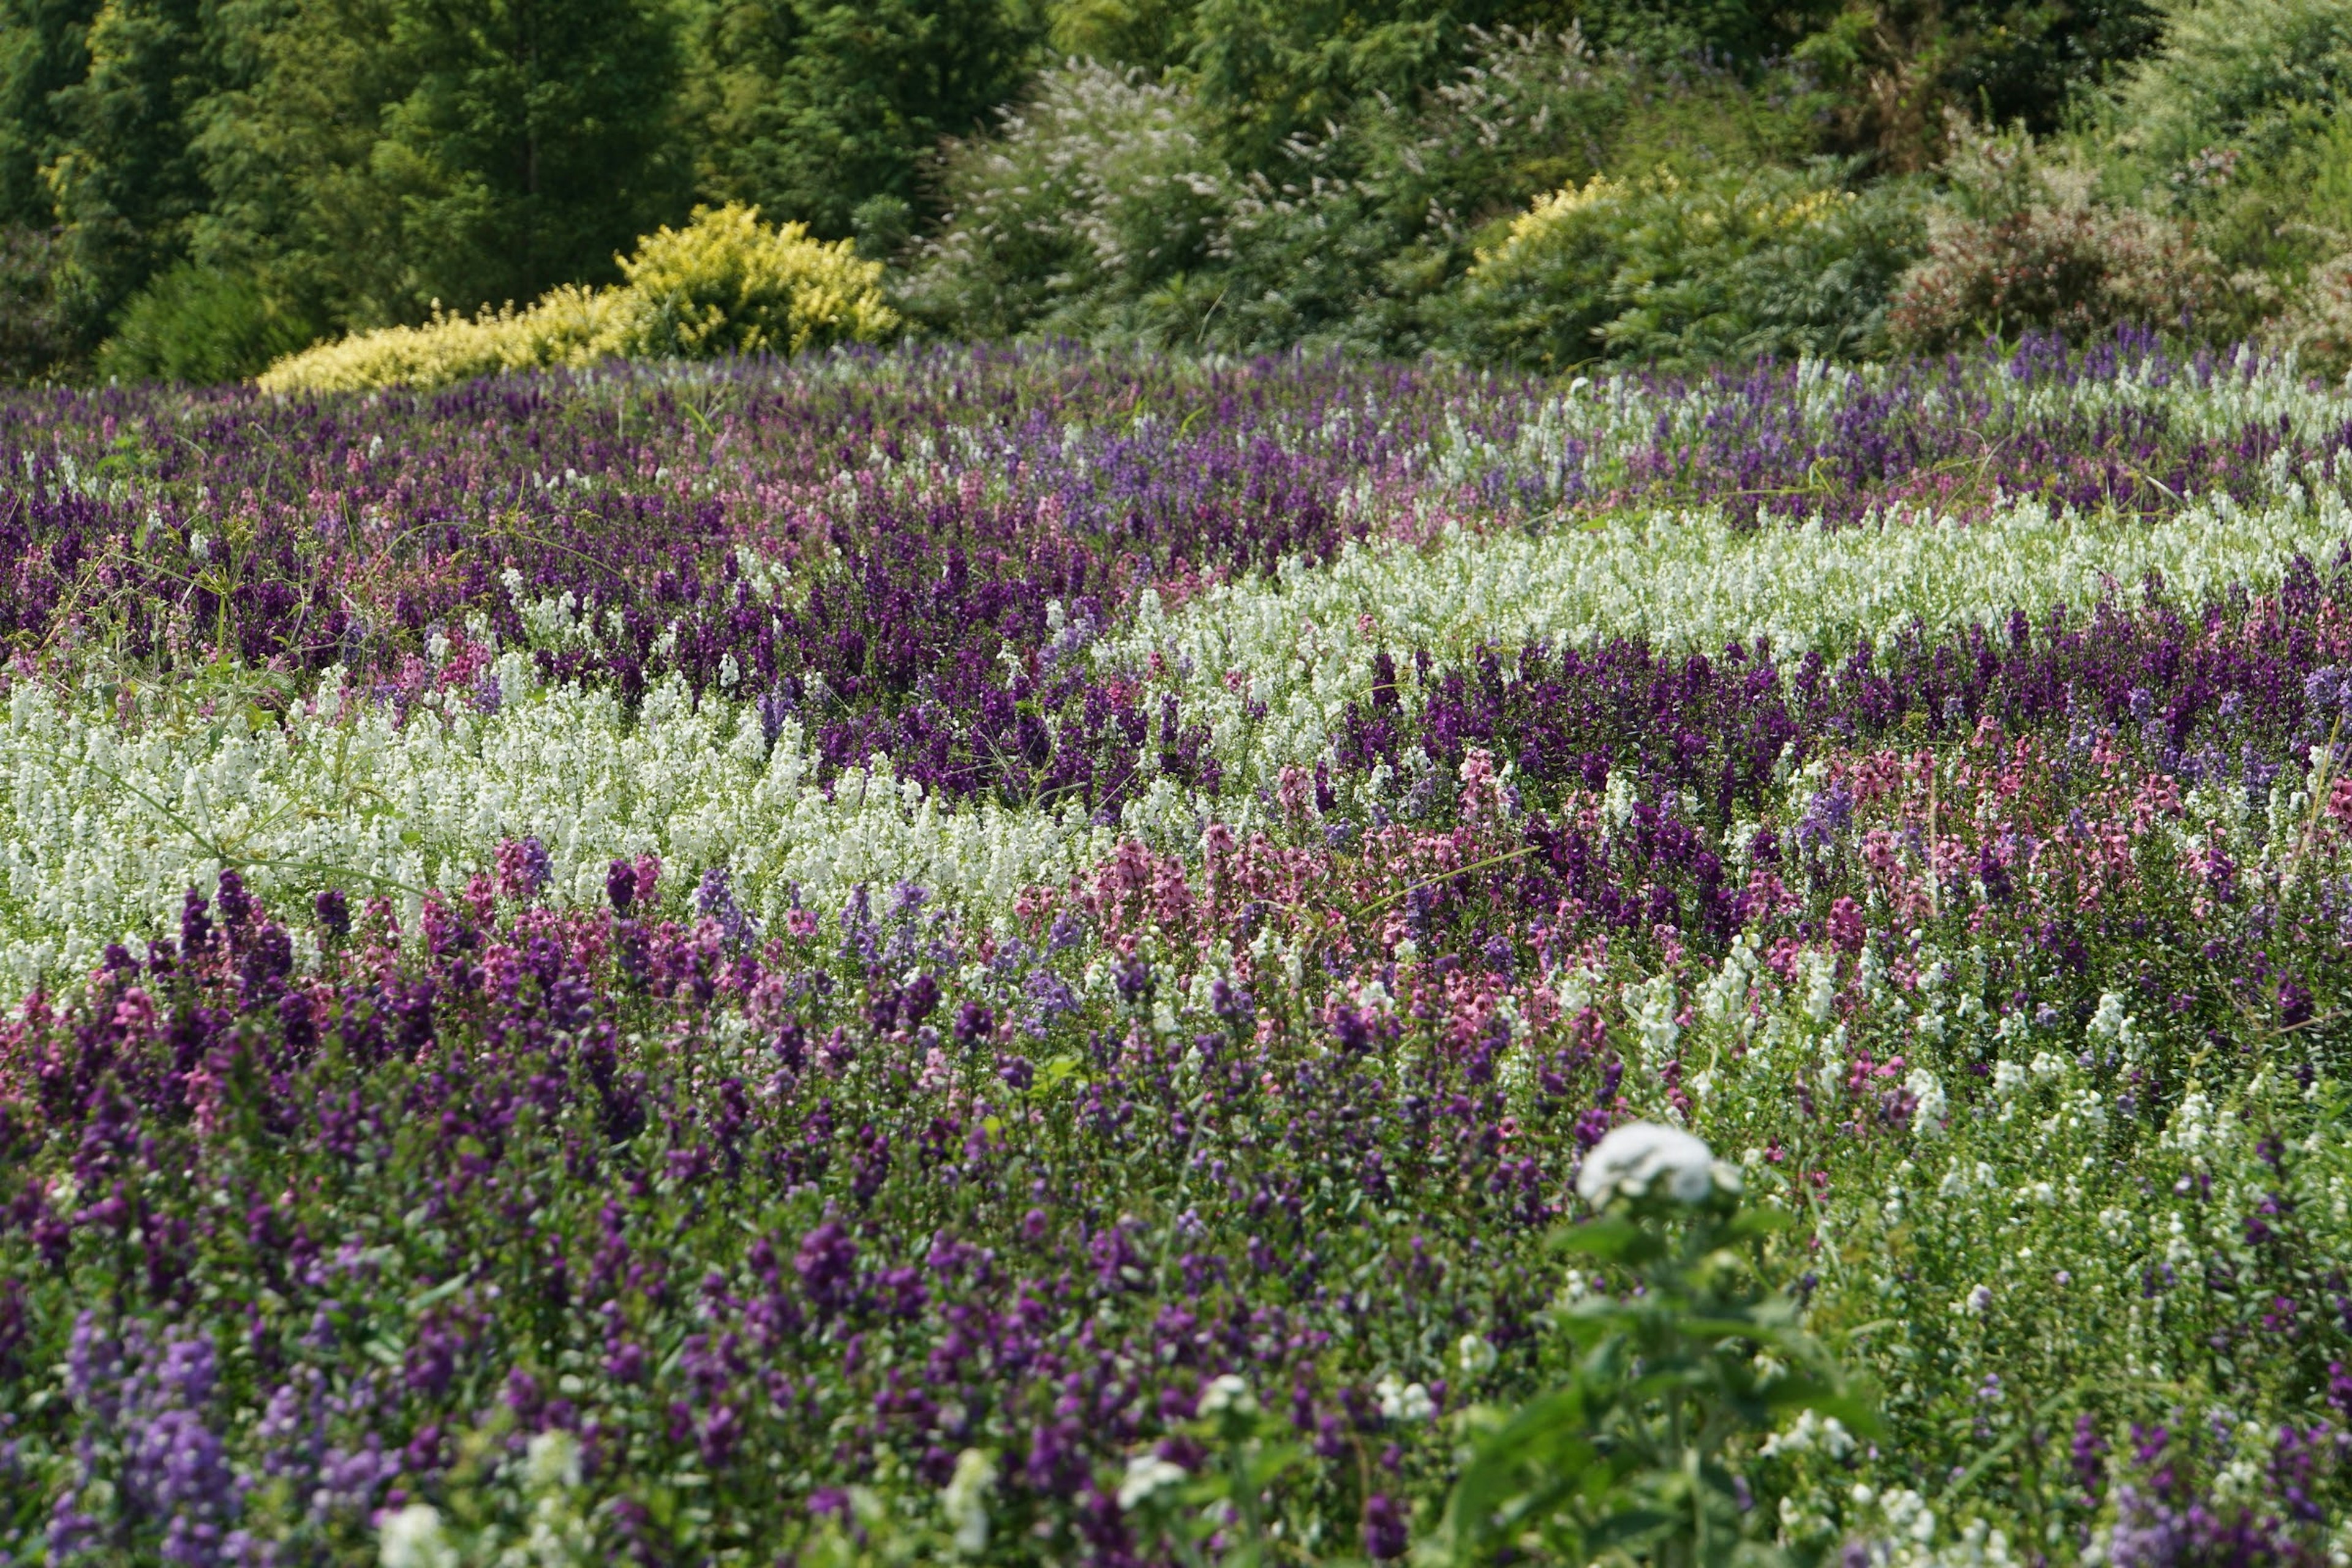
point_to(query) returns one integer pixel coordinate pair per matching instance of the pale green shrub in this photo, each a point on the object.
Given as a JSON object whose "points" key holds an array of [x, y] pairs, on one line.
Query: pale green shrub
{"points": [[2234, 77], [1100, 189]]}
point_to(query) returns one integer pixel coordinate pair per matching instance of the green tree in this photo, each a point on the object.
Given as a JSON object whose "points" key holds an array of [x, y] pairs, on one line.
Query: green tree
{"points": [[824, 111], [44, 49], [393, 152], [1151, 35], [125, 180], [535, 141]]}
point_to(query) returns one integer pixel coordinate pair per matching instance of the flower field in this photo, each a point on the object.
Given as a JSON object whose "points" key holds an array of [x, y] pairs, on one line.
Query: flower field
{"points": [[1013, 956]]}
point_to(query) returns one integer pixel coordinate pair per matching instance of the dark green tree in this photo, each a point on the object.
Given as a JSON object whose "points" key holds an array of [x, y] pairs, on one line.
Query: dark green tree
{"points": [[826, 111], [44, 49], [125, 180], [390, 153], [535, 139]]}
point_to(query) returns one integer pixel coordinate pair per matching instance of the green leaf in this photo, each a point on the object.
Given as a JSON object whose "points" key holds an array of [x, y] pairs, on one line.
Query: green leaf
{"points": [[1613, 1238], [418, 1305]]}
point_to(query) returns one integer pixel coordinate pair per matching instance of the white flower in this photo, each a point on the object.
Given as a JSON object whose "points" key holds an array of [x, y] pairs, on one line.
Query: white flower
{"points": [[1653, 1008], [1907, 1513], [1228, 1393], [1820, 985], [1634, 1158], [413, 1539], [1928, 1114], [552, 1461], [965, 1501], [1147, 1476], [1404, 1401], [1977, 1301], [2111, 1022], [1812, 1431], [1476, 1353]]}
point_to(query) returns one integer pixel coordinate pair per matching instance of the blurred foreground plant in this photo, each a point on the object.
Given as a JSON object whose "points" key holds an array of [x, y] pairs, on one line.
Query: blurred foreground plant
{"points": [[1635, 1459]]}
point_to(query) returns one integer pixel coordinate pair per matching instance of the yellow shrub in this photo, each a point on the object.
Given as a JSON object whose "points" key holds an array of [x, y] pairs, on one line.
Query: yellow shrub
{"points": [[724, 284], [728, 284], [567, 326]]}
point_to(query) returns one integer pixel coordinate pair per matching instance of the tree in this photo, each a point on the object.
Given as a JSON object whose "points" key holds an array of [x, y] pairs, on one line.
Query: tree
{"points": [[393, 152], [823, 111], [117, 165], [44, 49]]}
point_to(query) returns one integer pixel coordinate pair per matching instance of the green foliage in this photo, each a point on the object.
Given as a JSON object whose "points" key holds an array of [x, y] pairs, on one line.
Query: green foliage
{"points": [[2234, 125], [1105, 210], [1727, 267], [2031, 62], [1356, 239], [200, 324], [1272, 71], [35, 338], [817, 108], [43, 49], [1646, 1454], [2247, 78], [472, 151], [125, 180], [226, 176], [1149, 35], [1097, 194]]}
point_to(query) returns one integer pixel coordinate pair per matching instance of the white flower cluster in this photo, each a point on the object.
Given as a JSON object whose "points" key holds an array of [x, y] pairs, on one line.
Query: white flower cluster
{"points": [[1302, 643], [101, 829], [1634, 1159]]}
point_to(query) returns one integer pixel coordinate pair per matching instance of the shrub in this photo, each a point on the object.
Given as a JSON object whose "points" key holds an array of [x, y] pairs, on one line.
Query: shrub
{"points": [[2233, 124], [1365, 225], [201, 324], [1099, 190], [1105, 210], [569, 326], [1732, 265], [728, 284], [2233, 77], [725, 284], [2024, 246], [2317, 325]]}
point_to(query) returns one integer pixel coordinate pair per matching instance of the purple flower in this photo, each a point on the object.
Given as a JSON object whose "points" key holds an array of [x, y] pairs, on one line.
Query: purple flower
{"points": [[827, 1266], [1385, 1536]]}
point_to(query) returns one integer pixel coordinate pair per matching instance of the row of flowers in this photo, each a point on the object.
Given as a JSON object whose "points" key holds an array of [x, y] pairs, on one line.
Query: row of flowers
{"points": [[880, 523], [995, 772]]}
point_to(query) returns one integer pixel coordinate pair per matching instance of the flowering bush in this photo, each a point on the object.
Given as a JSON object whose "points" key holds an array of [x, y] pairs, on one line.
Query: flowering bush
{"points": [[1098, 189], [2029, 247]]}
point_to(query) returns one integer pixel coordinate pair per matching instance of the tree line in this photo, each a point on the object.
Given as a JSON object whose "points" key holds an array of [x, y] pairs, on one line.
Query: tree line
{"points": [[191, 187]]}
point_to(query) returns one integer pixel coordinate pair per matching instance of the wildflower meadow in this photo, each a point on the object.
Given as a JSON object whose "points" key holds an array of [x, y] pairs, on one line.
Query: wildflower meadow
{"points": [[1040, 956]]}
